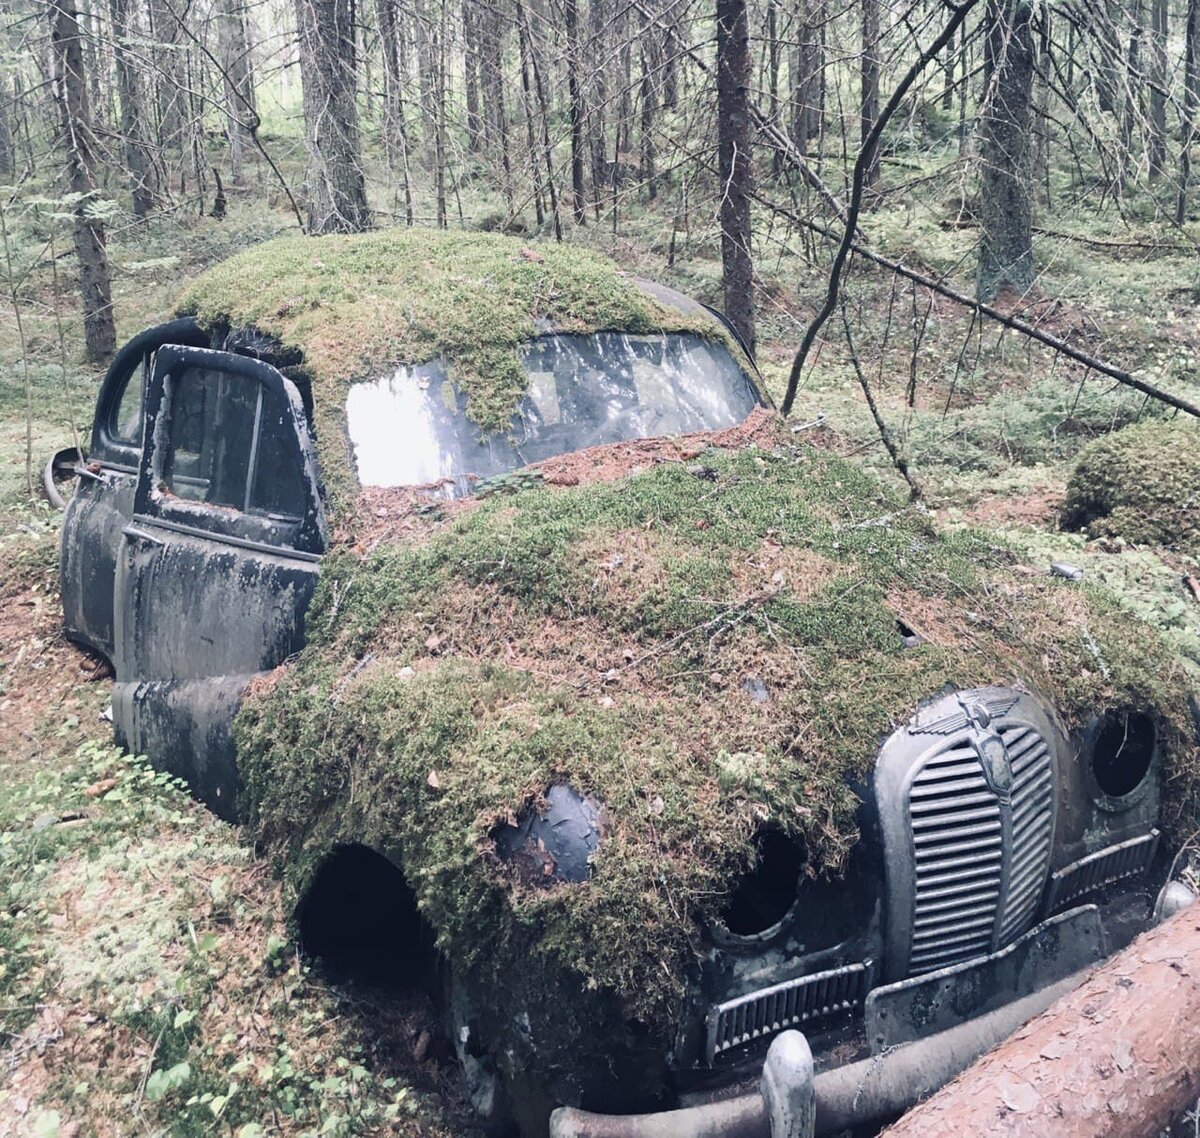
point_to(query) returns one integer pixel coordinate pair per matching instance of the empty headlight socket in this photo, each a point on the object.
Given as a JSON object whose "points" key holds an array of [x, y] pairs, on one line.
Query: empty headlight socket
{"points": [[1123, 755]]}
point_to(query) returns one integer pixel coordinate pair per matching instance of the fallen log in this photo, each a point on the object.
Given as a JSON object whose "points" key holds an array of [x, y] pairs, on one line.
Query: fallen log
{"points": [[1117, 1057]]}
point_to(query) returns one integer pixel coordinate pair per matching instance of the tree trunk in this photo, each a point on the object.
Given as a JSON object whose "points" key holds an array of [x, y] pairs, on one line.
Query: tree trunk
{"points": [[733, 131], [1157, 81], [495, 112], [8, 152], [168, 82], [1191, 106], [241, 107], [575, 100], [1006, 244], [648, 97], [869, 107], [395, 128], [470, 25], [337, 196], [1118, 1057], [539, 209], [597, 102], [1132, 110], [807, 68], [70, 91], [139, 157]]}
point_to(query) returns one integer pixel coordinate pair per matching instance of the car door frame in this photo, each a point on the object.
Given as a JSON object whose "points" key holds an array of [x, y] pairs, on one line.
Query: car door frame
{"points": [[154, 503], [175, 699]]}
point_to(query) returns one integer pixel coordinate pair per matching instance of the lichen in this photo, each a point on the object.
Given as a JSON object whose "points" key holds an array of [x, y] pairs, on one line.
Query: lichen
{"points": [[1141, 484], [602, 635], [356, 304]]}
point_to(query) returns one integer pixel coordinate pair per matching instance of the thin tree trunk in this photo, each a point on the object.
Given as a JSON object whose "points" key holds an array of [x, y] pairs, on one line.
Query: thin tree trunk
{"points": [[138, 155], [1191, 106], [241, 106], [495, 110], [869, 111], [470, 24], [168, 83], [1132, 110], [1157, 80], [540, 89], [70, 91], [597, 122], [575, 99], [337, 196], [1006, 245], [8, 151], [733, 132], [648, 96], [440, 118], [530, 141]]}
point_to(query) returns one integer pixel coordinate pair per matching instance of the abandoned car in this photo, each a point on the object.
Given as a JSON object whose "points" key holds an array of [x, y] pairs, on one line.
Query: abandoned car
{"points": [[482, 582]]}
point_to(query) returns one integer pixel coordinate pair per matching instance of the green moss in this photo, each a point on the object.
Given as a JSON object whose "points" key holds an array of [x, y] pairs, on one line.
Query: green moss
{"points": [[355, 304], [1141, 484], [601, 635]]}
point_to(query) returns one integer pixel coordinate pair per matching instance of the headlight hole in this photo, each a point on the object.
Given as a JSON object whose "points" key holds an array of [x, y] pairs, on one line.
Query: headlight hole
{"points": [[765, 895], [1123, 752]]}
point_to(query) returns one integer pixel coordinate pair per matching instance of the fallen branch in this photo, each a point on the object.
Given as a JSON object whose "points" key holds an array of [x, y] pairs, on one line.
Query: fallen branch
{"points": [[1059, 345], [1118, 1057], [864, 162]]}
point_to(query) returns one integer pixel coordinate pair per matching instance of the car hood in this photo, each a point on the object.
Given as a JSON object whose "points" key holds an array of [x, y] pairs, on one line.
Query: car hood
{"points": [[704, 647]]}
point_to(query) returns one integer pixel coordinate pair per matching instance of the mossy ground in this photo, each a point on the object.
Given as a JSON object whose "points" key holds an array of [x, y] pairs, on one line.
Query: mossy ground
{"points": [[601, 635], [1142, 485], [355, 305]]}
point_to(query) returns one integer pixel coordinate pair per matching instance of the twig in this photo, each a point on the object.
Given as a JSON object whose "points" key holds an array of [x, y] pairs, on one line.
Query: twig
{"points": [[864, 162]]}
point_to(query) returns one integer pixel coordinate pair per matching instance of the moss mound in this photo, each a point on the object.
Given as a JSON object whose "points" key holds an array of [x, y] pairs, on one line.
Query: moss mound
{"points": [[356, 304], [1141, 484], [605, 635]]}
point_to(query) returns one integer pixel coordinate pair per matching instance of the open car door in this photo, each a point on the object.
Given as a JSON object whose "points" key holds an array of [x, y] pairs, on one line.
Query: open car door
{"points": [[219, 562], [102, 505]]}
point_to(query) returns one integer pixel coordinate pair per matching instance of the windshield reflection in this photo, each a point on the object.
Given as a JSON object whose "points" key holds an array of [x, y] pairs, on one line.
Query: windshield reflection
{"points": [[410, 428]]}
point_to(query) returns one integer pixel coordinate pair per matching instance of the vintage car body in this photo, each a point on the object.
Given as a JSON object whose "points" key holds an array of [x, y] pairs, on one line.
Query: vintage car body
{"points": [[874, 839]]}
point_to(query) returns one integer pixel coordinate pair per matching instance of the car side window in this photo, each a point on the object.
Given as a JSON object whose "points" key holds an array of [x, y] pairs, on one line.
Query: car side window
{"points": [[126, 423], [231, 443]]}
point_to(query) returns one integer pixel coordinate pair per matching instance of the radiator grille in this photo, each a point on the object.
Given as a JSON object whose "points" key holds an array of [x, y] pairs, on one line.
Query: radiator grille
{"points": [[958, 840], [980, 817], [1032, 827], [795, 1002], [1105, 867]]}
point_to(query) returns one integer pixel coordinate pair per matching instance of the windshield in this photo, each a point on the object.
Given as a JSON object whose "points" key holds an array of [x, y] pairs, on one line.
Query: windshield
{"points": [[410, 428]]}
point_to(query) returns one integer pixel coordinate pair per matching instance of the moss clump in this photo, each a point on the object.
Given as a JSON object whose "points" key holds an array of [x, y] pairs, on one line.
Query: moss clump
{"points": [[356, 304], [602, 635], [1141, 484]]}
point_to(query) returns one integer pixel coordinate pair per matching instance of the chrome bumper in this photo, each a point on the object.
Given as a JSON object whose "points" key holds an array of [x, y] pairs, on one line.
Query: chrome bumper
{"points": [[959, 1011], [793, 1102]]}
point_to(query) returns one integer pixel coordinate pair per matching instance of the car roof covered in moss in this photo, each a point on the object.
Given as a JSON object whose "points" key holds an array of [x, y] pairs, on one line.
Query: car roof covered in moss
{"points": [[356, 304]]}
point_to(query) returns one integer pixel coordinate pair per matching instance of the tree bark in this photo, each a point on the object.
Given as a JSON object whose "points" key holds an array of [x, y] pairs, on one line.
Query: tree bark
{"points": [[337, 196], [495, 111], [168, 84], [807, 74], [1118, 1057], [1157, 81], [733, 131], [70, 91], [8, 153], [869, 74], [471, 78], [1191, 106], [1006, 246], [575, 110], [241, 107], [138, 154]]}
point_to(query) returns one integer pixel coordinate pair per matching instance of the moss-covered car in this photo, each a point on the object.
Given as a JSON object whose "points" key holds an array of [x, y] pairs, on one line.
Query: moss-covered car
{"points": [[482, 582]]}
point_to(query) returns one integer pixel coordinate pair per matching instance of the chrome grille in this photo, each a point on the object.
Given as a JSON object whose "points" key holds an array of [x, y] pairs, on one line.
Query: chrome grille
{"points": [[790, 1004], [966, 796], [958, 840], [1104, 867], [1032, 826]]}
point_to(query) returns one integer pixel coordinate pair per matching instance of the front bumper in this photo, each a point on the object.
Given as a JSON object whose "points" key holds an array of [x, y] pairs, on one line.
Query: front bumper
{"points": [[958, 1013]]}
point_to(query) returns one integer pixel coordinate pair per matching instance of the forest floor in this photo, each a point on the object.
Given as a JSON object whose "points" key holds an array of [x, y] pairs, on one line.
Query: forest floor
{"points": [[147, 981]]}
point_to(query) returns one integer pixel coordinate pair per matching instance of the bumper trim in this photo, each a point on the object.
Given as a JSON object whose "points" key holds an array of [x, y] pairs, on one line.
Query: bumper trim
{"points": [[862, 1092]]}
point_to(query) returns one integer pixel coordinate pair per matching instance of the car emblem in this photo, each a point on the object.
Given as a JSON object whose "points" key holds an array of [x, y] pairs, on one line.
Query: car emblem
{"points": [[993, 756]]}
